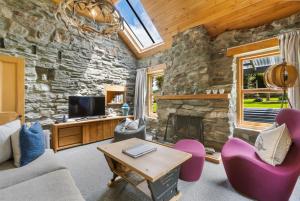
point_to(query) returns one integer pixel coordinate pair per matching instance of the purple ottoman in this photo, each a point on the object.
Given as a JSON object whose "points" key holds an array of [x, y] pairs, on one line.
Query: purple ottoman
{"points": [[191, 170]]}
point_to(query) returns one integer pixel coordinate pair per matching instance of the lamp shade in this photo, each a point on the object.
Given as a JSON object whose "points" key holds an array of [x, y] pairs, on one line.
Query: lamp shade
{"points": [[281, 76]]}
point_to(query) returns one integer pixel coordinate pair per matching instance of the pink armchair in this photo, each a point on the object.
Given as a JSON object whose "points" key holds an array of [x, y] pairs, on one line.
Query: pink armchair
{"points": [[254, 178]]}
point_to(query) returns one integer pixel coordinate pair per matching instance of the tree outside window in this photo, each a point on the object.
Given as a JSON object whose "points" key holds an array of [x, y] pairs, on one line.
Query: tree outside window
{"points": [[155, 84]]}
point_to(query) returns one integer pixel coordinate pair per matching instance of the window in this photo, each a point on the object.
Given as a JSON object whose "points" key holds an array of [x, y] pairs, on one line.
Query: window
{"points": [[138, 23], [257, 104], [155, 82]]}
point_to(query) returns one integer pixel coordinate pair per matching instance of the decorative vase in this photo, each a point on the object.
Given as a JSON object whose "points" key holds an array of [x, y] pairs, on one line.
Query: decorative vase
{"points": [[125, 109]]}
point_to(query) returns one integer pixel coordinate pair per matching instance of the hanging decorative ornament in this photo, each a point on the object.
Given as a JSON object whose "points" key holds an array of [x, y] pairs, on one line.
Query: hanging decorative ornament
{"points": [[104, 19], [281, 76]]}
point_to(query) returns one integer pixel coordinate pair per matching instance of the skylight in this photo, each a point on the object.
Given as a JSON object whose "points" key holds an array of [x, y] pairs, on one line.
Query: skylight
{"points": [[139, 23]]}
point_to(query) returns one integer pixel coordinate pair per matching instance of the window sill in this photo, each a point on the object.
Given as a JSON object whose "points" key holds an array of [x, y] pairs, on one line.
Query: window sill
{"points": [[254, 126]]}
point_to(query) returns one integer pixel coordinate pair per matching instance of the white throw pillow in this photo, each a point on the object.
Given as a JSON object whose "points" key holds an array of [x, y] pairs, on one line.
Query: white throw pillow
{"points": [[274, 125], [15, 142], [7, 130], [273, 144], [131, 125]]}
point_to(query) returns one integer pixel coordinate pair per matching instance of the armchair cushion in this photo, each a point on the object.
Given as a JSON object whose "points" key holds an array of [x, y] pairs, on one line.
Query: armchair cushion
{"points": [[131, 124], [272, 145]]}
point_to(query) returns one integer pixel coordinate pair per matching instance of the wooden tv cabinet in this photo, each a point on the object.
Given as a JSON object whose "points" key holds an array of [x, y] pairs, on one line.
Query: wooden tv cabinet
{"points": [[75, 133]]}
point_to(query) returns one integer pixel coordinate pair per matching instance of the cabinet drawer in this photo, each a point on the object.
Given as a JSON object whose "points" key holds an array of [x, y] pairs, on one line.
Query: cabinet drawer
{"points": [[65, 132], [70, 140], [69, 136]]}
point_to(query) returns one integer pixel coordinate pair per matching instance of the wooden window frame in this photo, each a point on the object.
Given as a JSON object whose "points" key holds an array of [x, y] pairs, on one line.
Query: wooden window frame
{"points": [[241, 91], [151, 72]]}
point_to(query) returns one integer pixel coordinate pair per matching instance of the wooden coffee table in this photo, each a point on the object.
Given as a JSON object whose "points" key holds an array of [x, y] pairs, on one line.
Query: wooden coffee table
{"points": [[156, 173]]}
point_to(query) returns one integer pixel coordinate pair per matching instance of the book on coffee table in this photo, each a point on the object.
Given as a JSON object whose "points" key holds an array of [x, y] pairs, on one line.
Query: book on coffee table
{"points": [[139, 150]]}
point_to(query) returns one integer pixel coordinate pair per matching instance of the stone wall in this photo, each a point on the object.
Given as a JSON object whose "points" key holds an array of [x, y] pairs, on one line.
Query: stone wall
{"points": [[196, 58], [84, 68]]}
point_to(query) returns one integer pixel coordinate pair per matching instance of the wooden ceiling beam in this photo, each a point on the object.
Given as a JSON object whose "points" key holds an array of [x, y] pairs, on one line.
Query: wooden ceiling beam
{"points": [[250, 47]]}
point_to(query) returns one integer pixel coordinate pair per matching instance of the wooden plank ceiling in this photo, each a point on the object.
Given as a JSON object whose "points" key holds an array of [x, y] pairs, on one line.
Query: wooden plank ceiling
{"points": [[173, 16], [217, 16]]}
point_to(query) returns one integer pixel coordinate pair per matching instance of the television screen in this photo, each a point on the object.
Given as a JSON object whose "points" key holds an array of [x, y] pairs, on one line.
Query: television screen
{"points": [[84, 106]]}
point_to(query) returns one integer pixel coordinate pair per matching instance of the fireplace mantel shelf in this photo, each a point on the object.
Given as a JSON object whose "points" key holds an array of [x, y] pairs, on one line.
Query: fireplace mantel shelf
{"points": [[195, 97]]}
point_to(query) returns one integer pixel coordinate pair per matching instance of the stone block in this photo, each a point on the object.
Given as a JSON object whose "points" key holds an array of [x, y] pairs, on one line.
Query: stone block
{"points": [[214, 114], [40, 87], [187, 107], [19, 30]]}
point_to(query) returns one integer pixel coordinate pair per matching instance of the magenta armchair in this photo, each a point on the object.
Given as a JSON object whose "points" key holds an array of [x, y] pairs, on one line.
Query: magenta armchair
{"points": [[254, 178]]}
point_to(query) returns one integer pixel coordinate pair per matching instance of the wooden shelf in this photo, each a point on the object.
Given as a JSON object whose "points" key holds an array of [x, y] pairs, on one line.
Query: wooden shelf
{"points": [[195, 97], [111, 91]]}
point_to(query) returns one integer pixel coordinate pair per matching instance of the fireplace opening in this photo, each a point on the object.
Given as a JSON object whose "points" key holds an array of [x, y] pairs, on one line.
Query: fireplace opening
{"points": [[184, 127]]}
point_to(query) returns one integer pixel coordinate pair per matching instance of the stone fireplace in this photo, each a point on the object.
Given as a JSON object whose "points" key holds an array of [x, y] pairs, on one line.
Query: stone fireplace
{"points": [[214, 115], [183, 127], [191, 64]]}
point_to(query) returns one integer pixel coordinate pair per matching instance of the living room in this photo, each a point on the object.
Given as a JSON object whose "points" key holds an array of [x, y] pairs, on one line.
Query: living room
{"points": [[149, 100]]}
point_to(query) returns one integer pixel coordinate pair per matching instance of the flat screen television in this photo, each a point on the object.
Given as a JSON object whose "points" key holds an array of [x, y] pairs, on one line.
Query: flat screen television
{"points": [[86, 106]]}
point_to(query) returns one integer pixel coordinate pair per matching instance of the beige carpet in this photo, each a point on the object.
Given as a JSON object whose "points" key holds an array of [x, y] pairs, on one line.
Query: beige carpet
{"points": [[91, 174]]}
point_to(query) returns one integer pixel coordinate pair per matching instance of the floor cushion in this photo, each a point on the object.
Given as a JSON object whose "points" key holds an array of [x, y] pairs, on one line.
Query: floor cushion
{"points": [[191, 169]]}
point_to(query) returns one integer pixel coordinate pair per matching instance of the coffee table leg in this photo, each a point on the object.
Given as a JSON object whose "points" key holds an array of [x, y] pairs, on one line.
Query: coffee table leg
{"points": [[165, 188], [112, 167], [113, 180]]}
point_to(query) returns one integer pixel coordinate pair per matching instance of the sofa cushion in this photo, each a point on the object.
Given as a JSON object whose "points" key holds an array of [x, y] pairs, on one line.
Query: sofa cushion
{"points": [[7, 165], [32, 143], [15, 143], [6, 130], [57, 185], [272, 145], [42, 165]]}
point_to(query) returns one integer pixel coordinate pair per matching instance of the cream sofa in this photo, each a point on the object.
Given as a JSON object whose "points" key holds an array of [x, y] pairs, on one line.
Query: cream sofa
{"points": [[43, 179]]}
